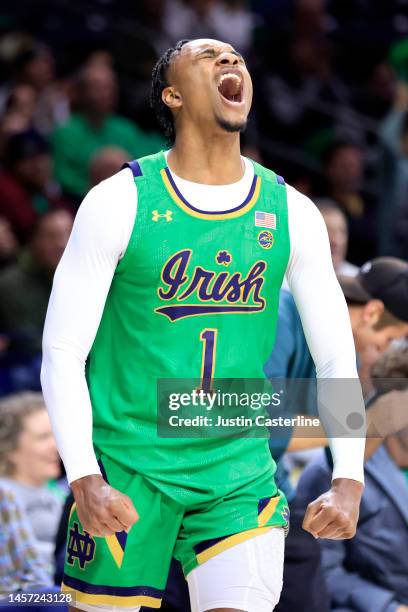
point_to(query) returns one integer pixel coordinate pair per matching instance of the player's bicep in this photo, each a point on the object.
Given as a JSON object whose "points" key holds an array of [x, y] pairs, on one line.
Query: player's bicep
{"points": [[317, 293], [310, 248]]}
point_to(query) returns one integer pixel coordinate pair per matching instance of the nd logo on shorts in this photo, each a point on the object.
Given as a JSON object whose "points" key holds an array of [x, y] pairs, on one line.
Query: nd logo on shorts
{"points": [[81, 546], [265, 239]]}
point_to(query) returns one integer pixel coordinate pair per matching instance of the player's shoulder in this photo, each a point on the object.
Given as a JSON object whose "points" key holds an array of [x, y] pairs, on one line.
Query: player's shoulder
{"points": [[302, 208], [122, 180], [299, 200], [118, 188], [112, 198]]}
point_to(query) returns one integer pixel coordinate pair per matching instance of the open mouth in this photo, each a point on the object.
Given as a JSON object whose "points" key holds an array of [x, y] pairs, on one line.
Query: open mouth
{"points": [[230, 87]]}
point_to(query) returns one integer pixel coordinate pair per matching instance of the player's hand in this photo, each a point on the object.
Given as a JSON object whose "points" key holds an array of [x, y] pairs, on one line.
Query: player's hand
{"points": [[402, 608], [334, 514], [101, 509]]}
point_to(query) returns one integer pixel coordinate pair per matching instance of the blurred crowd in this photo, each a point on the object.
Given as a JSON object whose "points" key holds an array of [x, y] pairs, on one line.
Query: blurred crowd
{"points": [[330, 114]]}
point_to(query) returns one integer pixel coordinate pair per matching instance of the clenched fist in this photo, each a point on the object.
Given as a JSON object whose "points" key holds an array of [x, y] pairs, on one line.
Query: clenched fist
{"points": [[101, 509], [334, 514]]}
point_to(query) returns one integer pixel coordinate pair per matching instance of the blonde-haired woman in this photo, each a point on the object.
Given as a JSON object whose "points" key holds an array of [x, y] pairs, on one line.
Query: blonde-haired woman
{"points": [[29, 467]]}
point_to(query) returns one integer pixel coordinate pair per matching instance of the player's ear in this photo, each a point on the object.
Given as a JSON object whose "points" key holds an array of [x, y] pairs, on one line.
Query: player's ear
{"points": [[171, 97]]}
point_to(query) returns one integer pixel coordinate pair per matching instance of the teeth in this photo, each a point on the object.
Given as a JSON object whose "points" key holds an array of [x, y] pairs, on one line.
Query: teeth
{"points": [[230, 75]]}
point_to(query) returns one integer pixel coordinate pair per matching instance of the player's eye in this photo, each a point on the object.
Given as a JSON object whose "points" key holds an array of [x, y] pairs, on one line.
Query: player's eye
{"points": [[207, 53]]}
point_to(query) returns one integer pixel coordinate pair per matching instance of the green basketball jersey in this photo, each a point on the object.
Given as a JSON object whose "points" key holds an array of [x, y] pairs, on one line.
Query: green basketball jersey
{"points": [[195, 296]]}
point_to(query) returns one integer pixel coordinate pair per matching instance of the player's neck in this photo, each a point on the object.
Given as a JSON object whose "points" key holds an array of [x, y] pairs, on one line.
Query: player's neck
{"points": [[210, 161]]}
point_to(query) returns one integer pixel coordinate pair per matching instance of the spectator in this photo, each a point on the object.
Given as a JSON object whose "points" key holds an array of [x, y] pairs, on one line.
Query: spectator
{"points": [[11, 122], [401, 232], [29, 462], [18, 113], [337, 230], [376, 89], [33, 66], [107, 162], [95, 126], [189, 19], [22, 99], [378, 305], [303, 96], [8, 256], [394, 175], [21, 566], [25, 286], [8, 244], [368, 573], [344, 181], [233, 21], [377, 300], [26, 184], [310, 17]]}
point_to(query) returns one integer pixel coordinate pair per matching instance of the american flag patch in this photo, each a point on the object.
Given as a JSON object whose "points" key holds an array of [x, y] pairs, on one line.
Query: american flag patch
{"points": [[263, 219]]}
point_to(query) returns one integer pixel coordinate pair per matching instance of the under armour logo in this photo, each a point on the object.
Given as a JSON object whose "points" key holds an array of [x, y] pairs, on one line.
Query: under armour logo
{"points": [[80, 546], [168, 215]]}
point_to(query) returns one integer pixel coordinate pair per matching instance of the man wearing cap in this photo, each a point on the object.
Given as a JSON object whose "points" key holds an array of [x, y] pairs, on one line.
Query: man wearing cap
{"points": [[369, 573], [377, 299]]}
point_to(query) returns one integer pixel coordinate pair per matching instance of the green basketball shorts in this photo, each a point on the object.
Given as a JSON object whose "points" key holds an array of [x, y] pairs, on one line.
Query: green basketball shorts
{"points": [[131, 569]]}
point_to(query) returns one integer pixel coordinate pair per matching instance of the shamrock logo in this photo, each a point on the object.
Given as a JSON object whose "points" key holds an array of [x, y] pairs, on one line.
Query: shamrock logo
{"points": [[223, 258]]}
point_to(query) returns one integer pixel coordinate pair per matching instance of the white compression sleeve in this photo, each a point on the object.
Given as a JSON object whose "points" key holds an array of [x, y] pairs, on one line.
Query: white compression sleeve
{"points": [[326, 324], [99, 237]]}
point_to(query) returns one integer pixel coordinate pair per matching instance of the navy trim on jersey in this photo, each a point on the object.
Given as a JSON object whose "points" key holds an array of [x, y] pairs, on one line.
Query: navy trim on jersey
{"points": [[135, 168], [118, 591]]}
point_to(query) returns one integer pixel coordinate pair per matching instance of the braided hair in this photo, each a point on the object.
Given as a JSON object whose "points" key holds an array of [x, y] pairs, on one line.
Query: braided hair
{"points": [[159, 82]]}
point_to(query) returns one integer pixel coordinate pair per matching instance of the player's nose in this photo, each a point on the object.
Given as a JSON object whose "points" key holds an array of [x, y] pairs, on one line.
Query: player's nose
{"points": [[227, 59]]}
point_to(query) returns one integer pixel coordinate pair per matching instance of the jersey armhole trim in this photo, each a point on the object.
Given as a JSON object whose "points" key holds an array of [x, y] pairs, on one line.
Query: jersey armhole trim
{"points": [[135, 168]]}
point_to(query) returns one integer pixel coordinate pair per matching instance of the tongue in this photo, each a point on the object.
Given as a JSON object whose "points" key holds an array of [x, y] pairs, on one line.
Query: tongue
{"points": [[229, 88]]}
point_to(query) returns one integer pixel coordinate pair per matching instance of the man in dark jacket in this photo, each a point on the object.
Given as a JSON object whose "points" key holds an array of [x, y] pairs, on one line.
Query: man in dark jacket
{"points": [[369, 573]]}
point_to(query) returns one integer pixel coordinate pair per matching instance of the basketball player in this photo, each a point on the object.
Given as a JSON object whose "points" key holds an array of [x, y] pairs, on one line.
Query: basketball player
{"points": [[173, 270]]}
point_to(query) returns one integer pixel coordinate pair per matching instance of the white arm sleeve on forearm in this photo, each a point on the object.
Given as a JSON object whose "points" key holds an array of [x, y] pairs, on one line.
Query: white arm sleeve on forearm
{"points": [[99, 238], [326, 324]]}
